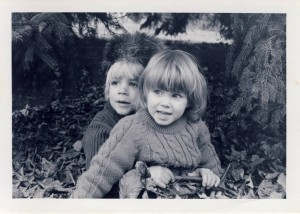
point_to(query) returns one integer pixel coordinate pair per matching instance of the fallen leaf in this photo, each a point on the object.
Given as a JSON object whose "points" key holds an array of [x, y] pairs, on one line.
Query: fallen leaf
{"points": [[271, 176], [130, 184], [282, 180], [256, 160], [234, 155], [25, 111], [276, 195], [77, 145], [39, 193], [249, 181], [48, 168], [265, 189], [238, 174], [249, 195], [145, 195]]}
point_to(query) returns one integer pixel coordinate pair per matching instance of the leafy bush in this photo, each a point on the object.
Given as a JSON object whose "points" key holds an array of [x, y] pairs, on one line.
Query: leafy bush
{"points": [[257, 58]]}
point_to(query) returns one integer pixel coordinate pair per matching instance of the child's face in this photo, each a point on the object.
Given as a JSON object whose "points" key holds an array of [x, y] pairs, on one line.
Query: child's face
{"points": [[123, 93], [166, 106]]}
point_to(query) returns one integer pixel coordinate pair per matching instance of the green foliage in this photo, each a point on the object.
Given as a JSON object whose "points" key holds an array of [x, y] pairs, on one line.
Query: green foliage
{"points": [[86, 23], [41, 34], [50, 57], [257, 59]]}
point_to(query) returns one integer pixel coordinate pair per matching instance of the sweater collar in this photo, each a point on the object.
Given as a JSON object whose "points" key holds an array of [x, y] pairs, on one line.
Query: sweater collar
{"points": [[109, 108], [173, 128]]}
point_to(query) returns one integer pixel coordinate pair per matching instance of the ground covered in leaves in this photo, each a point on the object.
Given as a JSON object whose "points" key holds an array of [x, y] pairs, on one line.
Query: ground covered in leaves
{"points": [[48, 158]]}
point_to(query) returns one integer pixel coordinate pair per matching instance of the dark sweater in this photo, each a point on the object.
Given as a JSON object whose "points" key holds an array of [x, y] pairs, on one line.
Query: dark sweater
{"points": [[181, 145], [98, 131]]}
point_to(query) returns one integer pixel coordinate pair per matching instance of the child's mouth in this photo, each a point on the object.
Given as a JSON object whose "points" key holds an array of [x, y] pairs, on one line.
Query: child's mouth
{"points": [[122, 102], [163, 113]]}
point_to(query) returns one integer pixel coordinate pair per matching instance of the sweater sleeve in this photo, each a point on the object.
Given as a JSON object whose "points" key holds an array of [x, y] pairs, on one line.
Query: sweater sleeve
{"points": [[93, 139], [115, 157], [209, 159]]}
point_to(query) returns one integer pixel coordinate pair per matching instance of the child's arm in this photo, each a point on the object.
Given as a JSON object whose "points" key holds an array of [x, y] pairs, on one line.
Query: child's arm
{"points": [[115, 157], [209, 157], [210, 167], [93, 139]]}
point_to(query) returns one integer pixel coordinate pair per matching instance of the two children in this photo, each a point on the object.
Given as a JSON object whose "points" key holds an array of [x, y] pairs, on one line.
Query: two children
{"points": [[129, 53], [167, 131]]}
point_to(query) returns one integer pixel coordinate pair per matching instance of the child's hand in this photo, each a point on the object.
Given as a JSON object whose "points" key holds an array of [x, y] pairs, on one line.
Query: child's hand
{"points": [[209, 179], [161, 175]]}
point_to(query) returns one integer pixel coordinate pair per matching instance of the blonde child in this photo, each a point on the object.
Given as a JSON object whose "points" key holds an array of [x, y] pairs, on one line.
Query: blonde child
{"points": [[167, 131], [121, 93]]}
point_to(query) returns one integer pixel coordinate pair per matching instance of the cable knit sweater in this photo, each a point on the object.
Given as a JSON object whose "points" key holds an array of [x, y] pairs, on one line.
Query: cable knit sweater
{"points": [[181, 145], [98, 131]]}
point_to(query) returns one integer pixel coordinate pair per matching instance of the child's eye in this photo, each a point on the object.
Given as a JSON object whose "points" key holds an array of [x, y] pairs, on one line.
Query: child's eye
{"points": [[114, 82], [177, 95], [133, 84], [157, 91]]}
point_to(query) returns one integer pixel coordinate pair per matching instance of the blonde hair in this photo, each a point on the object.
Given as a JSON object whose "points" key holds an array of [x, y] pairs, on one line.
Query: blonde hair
{"points": [[178, 71], [122, 68]]}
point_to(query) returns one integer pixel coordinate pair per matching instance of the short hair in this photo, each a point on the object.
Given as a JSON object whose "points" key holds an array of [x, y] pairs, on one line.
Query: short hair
{"points": [[122, 68], [179, 71]]}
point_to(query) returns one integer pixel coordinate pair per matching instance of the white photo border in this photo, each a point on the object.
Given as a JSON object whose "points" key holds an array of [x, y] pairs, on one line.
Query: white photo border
{"points": [[291, 204]]}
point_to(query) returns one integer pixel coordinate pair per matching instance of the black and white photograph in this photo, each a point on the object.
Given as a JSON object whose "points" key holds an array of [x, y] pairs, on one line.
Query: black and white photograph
{"points": [[127, 103]]}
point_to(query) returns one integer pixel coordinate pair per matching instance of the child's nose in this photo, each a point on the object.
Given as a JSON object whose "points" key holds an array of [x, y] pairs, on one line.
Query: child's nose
{"points": [[123, 89], [165, 102]]}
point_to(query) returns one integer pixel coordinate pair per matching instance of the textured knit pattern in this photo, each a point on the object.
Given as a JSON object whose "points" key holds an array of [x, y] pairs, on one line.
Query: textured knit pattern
{"points": [[98, 131], [181, 145]]}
